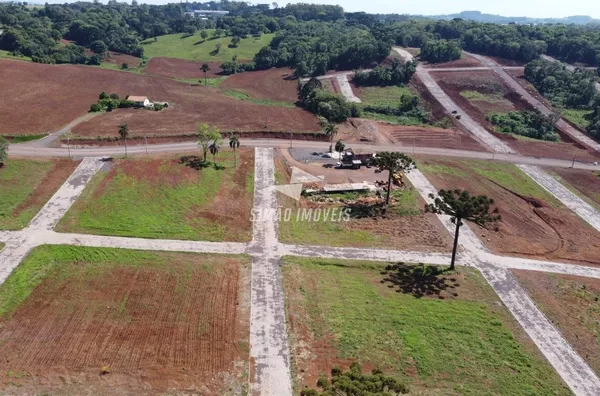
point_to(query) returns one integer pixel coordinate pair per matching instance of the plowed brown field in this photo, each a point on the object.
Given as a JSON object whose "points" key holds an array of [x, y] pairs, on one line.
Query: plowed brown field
{"points": [[41, 98], [156, 321], [488, 82], [272, 84], [586, 182], [430, 137], [533, 223]]}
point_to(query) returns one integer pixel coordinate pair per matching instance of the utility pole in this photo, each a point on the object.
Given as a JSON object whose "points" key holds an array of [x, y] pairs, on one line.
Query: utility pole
{"points": [[69, 144], [291, 141], [573, 164], [146, 140]]}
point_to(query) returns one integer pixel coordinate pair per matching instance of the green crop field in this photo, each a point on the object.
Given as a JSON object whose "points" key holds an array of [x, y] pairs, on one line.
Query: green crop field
{"points": [[163, 198], [195, 48], [465, 343], [18, 180]]}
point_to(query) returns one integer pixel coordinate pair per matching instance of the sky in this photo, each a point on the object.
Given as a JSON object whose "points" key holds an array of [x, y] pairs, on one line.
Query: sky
{"points": [[514, 8]]}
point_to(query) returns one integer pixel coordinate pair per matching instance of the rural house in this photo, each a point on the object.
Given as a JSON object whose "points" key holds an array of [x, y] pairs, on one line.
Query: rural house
{"points": [[141, 101]]}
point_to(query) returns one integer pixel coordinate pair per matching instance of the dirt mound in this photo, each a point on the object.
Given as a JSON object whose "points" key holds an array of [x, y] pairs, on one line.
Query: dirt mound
{"points": [[179, 68], [272, 84]]}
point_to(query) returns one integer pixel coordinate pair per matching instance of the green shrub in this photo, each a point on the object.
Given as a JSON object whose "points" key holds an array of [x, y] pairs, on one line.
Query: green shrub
{"points": [[525, 123], [96, 107]]}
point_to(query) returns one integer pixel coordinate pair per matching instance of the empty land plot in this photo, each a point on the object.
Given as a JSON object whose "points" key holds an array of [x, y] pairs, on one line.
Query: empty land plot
{"points": [[76, 320], [480, 93], [572, 304], [194, 47], [464, 61], [26, 185], [162, 198], [442, 333], [404, 226], [533, 224], [584, 183], [430, 137], [27, 88], [274, 84]]}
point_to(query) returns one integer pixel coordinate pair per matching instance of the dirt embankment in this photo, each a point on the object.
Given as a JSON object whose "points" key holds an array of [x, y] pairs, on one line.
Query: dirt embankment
{"points": [[41, 98], [464, 61], [530, 226]]}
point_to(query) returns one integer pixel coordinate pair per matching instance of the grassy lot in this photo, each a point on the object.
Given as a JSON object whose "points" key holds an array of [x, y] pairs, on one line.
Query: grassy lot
{"points": [[573, 304], [18, 180], [506, 175], [162, 198], [7, 55], [114, 66], [244, 96], [478, 96], [195, 48], [25, 138], [383, 96], [339, 233], [458, 340], [577, 117]]}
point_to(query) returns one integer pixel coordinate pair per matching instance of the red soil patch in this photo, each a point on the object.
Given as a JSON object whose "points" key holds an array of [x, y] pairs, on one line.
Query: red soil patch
{"points": [[179, 68], [430, 137], [272, 84], [27, 109], [587, 182], [529, 226], [59, 173], [465, 61], [157, 328], [507, 62], [488, 82], [571, 304]]}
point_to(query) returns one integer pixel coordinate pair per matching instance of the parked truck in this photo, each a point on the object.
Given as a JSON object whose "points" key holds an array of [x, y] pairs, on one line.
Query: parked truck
{"points": [[352, 160]]}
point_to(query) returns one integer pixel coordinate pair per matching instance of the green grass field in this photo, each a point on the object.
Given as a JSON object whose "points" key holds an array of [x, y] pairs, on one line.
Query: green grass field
{"points": [[467, 344], [18, 180], [210, 82], [7, 55], [507, 175], [166, 199], [195, 48], [264, 102], [577, 117], [478, 96], [338, 233]]}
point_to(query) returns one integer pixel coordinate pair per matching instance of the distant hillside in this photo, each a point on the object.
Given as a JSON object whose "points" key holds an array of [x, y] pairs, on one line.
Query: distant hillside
{"points": [[481, 17]]}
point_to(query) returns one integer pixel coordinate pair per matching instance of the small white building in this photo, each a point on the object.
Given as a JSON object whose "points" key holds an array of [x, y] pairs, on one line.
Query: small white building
{"points": [[141, 101]]}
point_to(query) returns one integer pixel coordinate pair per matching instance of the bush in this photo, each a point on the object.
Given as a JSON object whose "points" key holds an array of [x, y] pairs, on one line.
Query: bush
{"points": [[525, 123], [96, 107], [399, 74], [125, 104], [124, 66], [354, 382], [114, 96]]}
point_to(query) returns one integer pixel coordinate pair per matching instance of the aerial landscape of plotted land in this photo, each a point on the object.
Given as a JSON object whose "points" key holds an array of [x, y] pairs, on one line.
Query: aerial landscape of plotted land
{"points": [[229, 198]]}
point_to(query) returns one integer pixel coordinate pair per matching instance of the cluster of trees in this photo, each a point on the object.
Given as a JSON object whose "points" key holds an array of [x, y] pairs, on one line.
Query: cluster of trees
{"points": [[594, 128], [532, 124], [110, 102], [562, 87], [333, 107], [441, 51], [398, 74], [313, 48], [410, 110], [234, 66]]}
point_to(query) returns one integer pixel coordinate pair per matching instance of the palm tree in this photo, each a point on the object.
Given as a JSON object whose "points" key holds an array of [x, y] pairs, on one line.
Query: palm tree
{"points": [[460, 205], [330, 130], [393, 162], [124, 133], [234, 143], [205, 68]]}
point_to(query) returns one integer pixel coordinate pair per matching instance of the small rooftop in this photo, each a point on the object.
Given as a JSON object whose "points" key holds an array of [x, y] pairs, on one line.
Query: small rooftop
{"points": [[134, 98]]}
